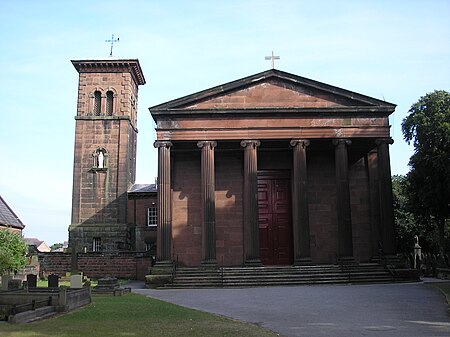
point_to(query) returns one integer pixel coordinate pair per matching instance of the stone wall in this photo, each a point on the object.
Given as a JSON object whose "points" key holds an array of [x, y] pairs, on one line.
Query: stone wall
{"points": [[187, 209], [322, 206], [229, 212], [126, 265], [360, 210]]}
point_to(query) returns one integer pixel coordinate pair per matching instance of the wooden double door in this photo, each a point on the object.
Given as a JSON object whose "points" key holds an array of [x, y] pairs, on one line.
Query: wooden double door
{"points": [[275, 218]]}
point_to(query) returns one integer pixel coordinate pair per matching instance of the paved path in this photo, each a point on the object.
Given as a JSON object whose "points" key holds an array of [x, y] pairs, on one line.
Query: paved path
{"points": [[334, 310]]}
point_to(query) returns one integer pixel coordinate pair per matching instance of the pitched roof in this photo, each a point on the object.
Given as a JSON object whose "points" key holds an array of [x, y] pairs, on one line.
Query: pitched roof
{"points": [[33, 241], [8, 217], [348, 100], [142, 188]]}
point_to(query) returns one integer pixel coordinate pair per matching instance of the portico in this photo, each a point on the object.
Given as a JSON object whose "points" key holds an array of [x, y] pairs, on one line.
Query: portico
{"points": [[273, 169]]}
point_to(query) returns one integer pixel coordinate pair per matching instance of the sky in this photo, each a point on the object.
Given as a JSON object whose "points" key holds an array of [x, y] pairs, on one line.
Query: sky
{"points": [[392, 50]]}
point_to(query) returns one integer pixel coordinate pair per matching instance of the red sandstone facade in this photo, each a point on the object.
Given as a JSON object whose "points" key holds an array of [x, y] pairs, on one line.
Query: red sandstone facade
{"points": [[105, 154], [273, 169]]}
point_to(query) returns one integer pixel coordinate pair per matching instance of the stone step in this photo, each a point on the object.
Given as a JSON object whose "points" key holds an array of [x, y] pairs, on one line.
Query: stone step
{"points": [[280, 275], [285, 277]]}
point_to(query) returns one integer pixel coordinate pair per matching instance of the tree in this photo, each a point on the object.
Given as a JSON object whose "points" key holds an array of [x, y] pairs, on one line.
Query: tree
{"points": [[428, 127], [406, 224], [13, 252], [56, 246], [404, 220]]}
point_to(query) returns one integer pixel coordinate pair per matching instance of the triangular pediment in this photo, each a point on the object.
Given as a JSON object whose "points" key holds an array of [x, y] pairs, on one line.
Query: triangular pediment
{"points": [[272, 89], [271, 94]]}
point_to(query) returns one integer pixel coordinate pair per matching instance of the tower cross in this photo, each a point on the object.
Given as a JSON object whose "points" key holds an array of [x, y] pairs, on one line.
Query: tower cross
{"points": [[273, 58], [112, 44]]}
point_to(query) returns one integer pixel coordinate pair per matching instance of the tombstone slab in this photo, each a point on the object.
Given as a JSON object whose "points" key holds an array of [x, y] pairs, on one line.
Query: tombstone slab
{"points": [[32, 281], [14, 284], [5, 281], [53, 281], [76, 281]]}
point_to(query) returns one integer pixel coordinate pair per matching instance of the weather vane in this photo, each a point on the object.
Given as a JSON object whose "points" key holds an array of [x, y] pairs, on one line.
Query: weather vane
{"points": [[112, 43], [273, 58]]}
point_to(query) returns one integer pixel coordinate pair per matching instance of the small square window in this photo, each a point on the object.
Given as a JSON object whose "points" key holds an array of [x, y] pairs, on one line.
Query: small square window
{"points": [[152, 217], [97, 245]]}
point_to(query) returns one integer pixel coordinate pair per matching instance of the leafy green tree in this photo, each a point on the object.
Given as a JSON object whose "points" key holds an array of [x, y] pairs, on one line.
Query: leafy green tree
{"points": [[428, 128], [407, 224], [404, 220], [56, 246], [13, 252]]}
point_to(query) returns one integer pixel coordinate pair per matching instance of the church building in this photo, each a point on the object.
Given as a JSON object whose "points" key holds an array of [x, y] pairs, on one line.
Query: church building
{"points": [[273, 169], [270, 169]]}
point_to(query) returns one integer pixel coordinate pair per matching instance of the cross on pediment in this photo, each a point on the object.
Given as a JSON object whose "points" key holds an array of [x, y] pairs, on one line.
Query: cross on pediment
{"points": [[272, 58]]}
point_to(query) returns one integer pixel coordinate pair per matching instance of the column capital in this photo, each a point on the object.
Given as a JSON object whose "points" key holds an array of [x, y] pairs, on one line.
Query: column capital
{"points": [[341, 141], [301, 142], [203, 143], [388, 141], [253, 143], [162, 143]]}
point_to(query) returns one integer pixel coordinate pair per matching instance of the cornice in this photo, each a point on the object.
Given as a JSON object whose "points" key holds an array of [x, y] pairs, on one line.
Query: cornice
{"points": [[131, 66]]}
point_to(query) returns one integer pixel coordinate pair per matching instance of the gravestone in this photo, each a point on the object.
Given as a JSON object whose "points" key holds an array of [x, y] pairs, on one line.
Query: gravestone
{"points": [[76, 281], [53, 281], [14, 284], [107, 284], [32, 281], [5, 281]]}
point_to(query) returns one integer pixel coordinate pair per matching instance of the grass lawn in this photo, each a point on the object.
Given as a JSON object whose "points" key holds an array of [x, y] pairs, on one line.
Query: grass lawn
{"points": [[133, 315]]}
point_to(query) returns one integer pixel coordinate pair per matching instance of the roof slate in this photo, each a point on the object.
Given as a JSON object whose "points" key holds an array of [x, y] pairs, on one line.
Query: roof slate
{"points": [[33, 241], [143, 188], [8, 217]]}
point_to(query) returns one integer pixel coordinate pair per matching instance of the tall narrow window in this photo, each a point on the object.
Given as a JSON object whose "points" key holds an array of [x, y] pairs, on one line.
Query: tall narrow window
{"points": [[109, 103], [97, 103], [97, 245], [152, 217]]}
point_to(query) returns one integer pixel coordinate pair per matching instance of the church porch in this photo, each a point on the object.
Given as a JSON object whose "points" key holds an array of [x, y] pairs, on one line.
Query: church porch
{"points": [[275, 159]]}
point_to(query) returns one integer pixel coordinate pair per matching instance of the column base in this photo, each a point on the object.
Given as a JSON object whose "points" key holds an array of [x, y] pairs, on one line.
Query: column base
{"points": [[303, 261], [253, 263]]}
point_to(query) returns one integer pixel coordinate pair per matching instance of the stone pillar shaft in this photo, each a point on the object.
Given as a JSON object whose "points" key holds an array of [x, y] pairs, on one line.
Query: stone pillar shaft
{"points": [[343, 199], [208, 201], [164, 234], [302, 251], [372, 167], [385, 189], [250, 201]]}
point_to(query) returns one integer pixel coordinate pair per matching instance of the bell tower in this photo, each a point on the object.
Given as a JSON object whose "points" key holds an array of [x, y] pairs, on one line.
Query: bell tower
{"points": [[105, 153]]}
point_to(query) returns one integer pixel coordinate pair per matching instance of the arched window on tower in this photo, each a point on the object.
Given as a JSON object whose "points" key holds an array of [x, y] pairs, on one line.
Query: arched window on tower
{"points": [[109, 103], [97, 103]]}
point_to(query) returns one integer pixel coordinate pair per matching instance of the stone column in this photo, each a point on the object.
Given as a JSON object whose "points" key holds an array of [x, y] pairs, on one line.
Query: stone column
{"points": [[208, 202], [164, 233], [343, 199], [385, 189], [250, 202], [372, 168], [302, 252]]}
